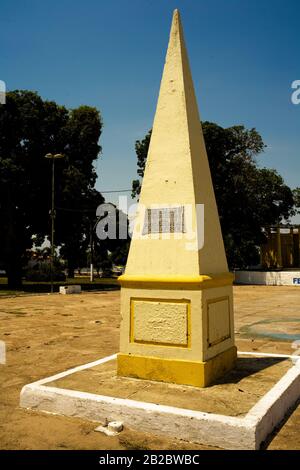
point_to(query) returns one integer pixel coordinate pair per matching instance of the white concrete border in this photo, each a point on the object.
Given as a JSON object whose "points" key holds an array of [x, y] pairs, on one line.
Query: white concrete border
{"points": [[195, 426]]}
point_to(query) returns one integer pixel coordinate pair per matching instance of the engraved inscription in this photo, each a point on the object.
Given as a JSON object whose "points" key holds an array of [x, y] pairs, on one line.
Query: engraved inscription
{"points": [[160, 322], [164, 220]]}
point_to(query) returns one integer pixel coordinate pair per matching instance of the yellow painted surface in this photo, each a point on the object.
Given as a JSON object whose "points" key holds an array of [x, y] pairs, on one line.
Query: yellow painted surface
{"points": [[198, 374], [177, 172], [193, 348], [198, 347], [218, 319], [192, 282], [176, 302], [160, 321]]}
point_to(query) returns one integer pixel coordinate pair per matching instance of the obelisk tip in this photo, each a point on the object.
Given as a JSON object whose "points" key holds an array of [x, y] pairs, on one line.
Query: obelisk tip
{"points": [[175, 21]]}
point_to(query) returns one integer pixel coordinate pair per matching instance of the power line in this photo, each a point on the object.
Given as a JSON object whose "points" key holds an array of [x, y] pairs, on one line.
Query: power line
{"points": [[117, 191]]}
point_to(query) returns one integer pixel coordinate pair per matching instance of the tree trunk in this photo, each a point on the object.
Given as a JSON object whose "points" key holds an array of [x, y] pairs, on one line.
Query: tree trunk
{"points": [[71, 272], [11, 245], [14, 275]]}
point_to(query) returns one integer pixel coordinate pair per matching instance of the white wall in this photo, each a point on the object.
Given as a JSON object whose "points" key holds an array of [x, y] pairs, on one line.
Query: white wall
{"points": [[271, 278]]}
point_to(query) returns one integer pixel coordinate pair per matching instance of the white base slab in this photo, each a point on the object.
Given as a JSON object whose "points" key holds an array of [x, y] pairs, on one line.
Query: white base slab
{"points": [[211, 429]]}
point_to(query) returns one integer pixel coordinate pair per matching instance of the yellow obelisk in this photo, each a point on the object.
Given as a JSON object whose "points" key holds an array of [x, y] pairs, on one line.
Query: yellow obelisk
{"points": [[176, 295]]}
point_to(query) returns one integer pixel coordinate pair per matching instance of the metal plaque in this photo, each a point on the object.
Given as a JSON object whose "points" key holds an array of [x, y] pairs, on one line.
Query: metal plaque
{"points": [[164, 220]]}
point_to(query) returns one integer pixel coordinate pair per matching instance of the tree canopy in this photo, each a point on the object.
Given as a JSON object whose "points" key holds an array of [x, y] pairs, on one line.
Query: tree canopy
{"points": [[31, 127], [248, 197]]}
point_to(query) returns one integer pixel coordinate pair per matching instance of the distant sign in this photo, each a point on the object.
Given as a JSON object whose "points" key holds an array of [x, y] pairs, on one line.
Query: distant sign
{"points": [[296, 281]]}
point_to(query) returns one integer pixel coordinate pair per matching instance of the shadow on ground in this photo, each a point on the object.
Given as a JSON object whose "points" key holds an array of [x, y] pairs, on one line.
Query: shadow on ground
{"points": [[247, 366]]}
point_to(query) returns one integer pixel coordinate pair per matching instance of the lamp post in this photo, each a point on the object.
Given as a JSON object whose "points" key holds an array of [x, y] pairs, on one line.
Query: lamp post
{"points": [[52, 157], [92, 228]]}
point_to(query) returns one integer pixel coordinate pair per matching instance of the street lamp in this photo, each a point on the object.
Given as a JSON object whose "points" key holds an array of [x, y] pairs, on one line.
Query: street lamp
{"points": [[52, 157]]}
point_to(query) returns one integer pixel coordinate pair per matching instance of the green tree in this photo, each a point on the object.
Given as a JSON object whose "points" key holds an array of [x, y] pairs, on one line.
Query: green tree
{"points": [[113, 251], [29, 128], [248, 197], [74, 223], [296, 194], [141, 150]]}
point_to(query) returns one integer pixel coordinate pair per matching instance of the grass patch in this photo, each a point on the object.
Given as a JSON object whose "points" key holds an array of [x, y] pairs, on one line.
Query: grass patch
{"points": [[4, 292]]}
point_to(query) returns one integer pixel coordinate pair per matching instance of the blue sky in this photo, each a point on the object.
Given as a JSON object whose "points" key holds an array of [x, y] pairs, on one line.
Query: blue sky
{"points": [[244, 55]]}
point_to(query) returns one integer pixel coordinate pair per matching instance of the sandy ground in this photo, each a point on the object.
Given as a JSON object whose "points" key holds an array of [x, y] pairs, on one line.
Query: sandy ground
{"points": [[48, 334]]}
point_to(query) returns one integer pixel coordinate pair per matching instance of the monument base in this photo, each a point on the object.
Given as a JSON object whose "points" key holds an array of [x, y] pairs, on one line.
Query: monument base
{"points": [[218, 416], [181, 372]]}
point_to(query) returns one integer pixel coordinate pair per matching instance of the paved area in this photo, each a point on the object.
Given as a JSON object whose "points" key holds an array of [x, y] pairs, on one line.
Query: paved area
{"points": [[233, 395], [48, 334]]}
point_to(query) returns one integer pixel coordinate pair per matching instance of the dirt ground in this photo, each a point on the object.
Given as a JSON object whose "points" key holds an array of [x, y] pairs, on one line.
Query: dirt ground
{"points": [[47, 334]]}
